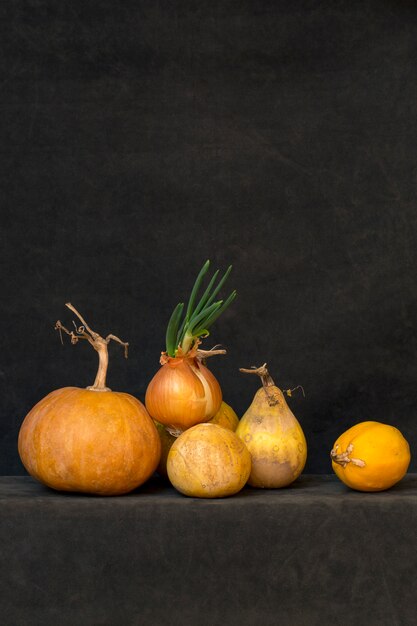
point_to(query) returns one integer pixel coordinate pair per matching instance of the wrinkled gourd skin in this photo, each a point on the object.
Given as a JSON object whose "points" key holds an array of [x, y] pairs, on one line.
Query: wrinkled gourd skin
{"points": [[275, 440], [208, 461], [383, 450], [225, 417], [103, 443]]}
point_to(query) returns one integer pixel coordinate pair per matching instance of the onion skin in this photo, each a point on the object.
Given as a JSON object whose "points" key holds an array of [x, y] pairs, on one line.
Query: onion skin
{"points": [[208, 461], [183, 393], [103, 443]]}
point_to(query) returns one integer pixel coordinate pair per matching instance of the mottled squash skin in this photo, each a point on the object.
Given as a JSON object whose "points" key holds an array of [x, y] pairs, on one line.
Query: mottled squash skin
{"points": [[371, 456], [275, 440], [99, 442], [208, 461], [225, 417]]}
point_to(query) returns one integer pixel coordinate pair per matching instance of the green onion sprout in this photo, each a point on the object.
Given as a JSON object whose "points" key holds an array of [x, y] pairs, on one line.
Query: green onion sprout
{"points": [[183, 331]]}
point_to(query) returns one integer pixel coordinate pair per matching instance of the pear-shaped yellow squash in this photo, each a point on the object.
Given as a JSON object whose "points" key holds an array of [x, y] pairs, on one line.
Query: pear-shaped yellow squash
{"points": [[273, 436]]}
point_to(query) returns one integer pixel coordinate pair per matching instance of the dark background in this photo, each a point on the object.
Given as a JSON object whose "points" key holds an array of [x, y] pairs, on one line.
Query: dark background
{"points": [[140, 138]]}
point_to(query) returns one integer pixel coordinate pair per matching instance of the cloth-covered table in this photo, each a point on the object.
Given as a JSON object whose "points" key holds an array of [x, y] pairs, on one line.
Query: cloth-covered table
{"points": [[314, 553]]}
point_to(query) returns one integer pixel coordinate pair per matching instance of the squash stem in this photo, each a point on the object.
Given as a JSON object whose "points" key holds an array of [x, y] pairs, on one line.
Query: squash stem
{"points": [[103, 363], [266, 379], [262, 372], [343, 458], [99, 344]]}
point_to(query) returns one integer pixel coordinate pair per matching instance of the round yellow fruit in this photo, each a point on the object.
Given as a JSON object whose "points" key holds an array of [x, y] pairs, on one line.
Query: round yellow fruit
{"points": [[208, 461], [370, 456], [225, 417]]}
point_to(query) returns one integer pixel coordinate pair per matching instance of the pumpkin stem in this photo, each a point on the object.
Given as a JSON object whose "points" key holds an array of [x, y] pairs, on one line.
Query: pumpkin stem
{"points": [[266, 379], [99, 344], [343, 458]]}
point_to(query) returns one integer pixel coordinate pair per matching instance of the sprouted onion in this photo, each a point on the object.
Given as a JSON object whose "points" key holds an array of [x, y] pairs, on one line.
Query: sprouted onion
{"points": [[184, 392], [198, 318]]}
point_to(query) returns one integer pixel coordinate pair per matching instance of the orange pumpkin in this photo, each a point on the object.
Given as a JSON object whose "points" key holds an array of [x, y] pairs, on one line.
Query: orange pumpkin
{"points": [[370, 456], [90, 440]]}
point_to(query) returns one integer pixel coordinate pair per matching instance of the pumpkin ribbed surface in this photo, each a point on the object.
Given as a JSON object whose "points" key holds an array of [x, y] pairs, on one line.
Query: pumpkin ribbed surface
{"points": [[100, 442]]}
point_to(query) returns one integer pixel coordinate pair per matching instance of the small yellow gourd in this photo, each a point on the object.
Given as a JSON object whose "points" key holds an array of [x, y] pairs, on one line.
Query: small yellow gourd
{"points": [[208, 461], [225, 417], [273, 436], [370, 456]]}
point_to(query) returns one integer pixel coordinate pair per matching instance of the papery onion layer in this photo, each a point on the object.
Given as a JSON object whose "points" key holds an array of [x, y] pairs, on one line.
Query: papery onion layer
{"points": [[183, 393]]}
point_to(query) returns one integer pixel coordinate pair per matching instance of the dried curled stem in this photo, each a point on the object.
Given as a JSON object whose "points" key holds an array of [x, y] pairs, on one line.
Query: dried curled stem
{"points": [[99, 344], [202, 355], [343, 458], [194, 353], [260, 371], [289, 392], [266, 379]]}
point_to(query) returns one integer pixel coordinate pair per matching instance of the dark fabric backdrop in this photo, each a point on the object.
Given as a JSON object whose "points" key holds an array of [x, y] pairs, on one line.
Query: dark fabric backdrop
{"points": [[140, 138]]}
